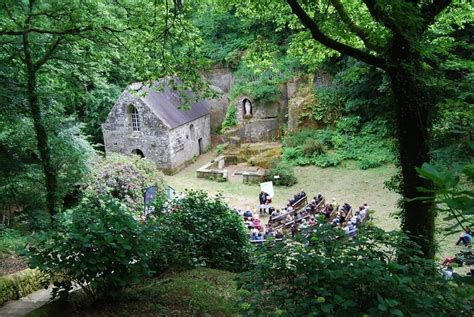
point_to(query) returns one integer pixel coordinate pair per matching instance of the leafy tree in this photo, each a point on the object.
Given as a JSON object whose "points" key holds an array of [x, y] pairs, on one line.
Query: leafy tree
{"points": [[392, 36], [454, 198], [52, 50]]}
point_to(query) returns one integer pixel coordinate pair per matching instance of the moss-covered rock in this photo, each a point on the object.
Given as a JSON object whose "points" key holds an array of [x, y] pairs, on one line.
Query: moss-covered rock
{"points": [[17, 285], [263, 159]]}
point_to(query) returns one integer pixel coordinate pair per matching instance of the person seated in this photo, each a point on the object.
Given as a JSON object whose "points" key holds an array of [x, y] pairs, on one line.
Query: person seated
{"points": [[346, 207], [248, 213], [358, 219], [278, 235], [334, 203], [256, 223], [465, 237], [303, 224], [260, 238], [253, 236], [362, 213], [351, 230], [289, 209], [294, 229], [268, 234], [311, 221], [354, 219], [271, 210], [248, 222], [327, 211], [342, 216], [276, 213]]}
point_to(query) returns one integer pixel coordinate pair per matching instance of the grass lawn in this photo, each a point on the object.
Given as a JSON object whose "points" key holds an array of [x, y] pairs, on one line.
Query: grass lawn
{"points": [[347, 184]]}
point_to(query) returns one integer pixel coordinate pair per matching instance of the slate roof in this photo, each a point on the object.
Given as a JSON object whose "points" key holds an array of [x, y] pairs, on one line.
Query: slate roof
{"points": [[164, 102]]}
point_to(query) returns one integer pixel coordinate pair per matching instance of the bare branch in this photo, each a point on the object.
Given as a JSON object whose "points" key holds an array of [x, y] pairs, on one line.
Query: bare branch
{"points": [[322, 38]]}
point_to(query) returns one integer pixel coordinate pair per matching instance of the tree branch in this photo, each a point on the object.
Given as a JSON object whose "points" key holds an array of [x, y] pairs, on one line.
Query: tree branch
{"points": [[380, 16], [322, 38], [49, 52], [354, 28], [429, 12]]}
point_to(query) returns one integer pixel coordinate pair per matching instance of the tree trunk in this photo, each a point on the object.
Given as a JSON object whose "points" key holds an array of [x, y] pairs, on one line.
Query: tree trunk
{"points": [[412, 110], [41, 134]]}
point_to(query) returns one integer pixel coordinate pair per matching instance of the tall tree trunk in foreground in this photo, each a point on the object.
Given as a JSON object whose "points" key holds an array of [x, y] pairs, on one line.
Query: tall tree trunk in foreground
{"points": [[401, 60], [40, 129], [412, 107]]}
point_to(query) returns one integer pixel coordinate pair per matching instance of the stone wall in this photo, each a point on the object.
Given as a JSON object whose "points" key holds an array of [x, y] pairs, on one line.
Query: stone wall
{"points": [[152, 139], [264, 130], [213, 170], [183, 146]]}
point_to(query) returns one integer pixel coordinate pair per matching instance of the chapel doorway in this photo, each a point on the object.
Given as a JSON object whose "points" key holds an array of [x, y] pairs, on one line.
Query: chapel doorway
{"points": [[201, 150], [138, 152]]}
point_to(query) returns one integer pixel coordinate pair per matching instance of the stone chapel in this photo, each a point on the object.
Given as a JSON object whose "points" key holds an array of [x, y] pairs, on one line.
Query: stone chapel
{"points": [[149, 122]]}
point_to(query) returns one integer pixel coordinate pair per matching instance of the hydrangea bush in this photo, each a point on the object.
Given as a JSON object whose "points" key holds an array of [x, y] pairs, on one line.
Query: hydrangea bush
{"points": [[126, 178]]}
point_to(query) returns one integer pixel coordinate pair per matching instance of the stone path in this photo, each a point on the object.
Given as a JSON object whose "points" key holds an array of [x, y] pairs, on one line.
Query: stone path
{"points": [[26, 304]]}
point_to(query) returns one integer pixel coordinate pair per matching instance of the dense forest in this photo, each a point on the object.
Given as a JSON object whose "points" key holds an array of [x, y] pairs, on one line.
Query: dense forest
{"points": [[386, 82]]}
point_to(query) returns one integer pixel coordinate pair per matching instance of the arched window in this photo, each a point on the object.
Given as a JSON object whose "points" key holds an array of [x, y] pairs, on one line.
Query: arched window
{"points": [[134, 118], [191, 132]]}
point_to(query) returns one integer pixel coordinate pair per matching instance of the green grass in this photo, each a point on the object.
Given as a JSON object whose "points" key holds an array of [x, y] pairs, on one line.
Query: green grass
{"points": [[347, 183], [11, 241], [198, 292]]}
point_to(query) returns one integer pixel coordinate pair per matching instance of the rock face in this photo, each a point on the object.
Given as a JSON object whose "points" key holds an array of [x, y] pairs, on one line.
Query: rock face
{"points": [[259, 121], [221, 80]]}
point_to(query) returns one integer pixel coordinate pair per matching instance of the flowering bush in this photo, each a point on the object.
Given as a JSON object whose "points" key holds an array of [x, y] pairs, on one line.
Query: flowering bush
{"points": [[126, 178]]}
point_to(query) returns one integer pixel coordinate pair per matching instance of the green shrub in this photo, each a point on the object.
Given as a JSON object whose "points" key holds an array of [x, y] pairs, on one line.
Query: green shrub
{"points": [[230, 119], [98, 244], [329, 147], [328, 275], [284, 172], [11, 241], [220, 149], [198, 231], [20, 284], [312, 146]]}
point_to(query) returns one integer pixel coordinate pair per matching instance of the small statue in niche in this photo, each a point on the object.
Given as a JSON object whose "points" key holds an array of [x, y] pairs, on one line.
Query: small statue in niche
{"points": [[247, 108]]}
